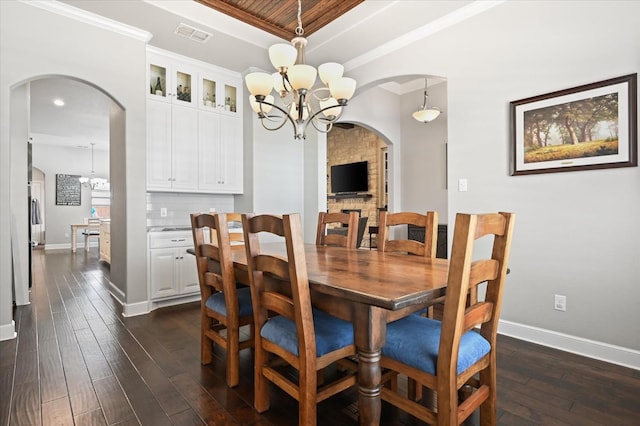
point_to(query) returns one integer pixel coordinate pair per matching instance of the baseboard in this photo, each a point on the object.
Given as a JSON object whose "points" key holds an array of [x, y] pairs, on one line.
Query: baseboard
{"points": [[8, 331], [590, 348], [117, 293], [60, 246], [135, 309], [128, 309], [155, 304], [67, 246]]}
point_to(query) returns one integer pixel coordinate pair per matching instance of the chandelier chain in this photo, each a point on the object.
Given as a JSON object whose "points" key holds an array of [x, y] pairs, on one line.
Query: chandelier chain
{"points": [[299, 29]]}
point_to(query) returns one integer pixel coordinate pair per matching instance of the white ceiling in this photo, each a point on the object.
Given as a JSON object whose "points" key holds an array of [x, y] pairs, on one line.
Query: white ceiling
{"points": [[366, 32]]}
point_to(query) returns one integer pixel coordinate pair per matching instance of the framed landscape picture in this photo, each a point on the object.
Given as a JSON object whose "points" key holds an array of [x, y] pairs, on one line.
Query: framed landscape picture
{"points": [[584, 128]]}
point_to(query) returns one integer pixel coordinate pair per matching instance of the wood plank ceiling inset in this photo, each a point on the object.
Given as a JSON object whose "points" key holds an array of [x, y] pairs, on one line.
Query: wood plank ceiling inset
{"points": [[280, 17]]}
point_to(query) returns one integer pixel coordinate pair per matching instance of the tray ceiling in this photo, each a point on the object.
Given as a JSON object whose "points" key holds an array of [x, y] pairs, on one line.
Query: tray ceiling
{"points": [[280, 18]]}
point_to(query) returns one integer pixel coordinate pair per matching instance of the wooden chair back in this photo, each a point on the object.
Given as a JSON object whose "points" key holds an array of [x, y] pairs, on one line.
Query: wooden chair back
{"points": [[280, 289], [459, 318], [428, 221], [350, 240], [216, 275]]}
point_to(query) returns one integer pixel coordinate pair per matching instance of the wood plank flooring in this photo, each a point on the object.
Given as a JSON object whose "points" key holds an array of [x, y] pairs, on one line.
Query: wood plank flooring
{"points": [[77, 360]]}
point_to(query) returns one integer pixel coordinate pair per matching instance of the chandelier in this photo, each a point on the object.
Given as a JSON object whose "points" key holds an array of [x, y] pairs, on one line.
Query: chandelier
{"points": [[293, 82], [426, 113], [92, 181]]}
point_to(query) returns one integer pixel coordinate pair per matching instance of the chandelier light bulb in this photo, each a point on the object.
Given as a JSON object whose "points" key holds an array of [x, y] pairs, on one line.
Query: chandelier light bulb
{"points": [[282, 56], [342, 88], [259, 83], [302, 76], [330, 71], [255, 105]]}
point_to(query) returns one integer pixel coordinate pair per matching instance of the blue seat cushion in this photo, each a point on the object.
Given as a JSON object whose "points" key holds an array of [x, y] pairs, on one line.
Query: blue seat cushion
{"points": [[216, 303], [415, 341], [331, 333]]}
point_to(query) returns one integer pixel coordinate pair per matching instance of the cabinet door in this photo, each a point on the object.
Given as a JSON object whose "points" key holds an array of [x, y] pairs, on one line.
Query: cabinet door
{"points": [[185, 148], [230, 97], [158, 145], [188, 273], [209, 151], [171, 81], [231, 152], [158, 77], [220, 153], [184, 89], [162, 273]]}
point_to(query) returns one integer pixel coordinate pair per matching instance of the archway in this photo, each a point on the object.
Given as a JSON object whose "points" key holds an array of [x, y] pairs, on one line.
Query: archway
{"points": [[21, 130]]}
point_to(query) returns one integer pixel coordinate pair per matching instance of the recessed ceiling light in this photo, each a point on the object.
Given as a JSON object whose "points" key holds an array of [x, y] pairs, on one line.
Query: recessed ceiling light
{"points": [[58, 102]]}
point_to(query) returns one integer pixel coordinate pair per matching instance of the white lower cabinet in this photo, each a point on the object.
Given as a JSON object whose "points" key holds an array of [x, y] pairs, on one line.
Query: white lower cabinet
{"points": [[172, 271]]}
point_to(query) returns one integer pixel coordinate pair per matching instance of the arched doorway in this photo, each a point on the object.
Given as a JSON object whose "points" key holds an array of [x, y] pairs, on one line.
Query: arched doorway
{"points": [[73, 161]]}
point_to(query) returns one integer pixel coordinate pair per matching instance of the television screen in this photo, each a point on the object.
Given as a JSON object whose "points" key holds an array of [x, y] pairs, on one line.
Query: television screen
{"points": [[352, 177]]}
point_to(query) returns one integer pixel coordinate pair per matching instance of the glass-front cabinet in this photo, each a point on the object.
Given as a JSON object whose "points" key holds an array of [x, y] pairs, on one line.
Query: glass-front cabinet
{"points": [[194, 125], [171, 82], [220, 93]]}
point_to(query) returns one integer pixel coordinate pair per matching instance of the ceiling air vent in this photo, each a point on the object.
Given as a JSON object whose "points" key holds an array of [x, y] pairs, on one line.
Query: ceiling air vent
{"points": [[188, 31]]}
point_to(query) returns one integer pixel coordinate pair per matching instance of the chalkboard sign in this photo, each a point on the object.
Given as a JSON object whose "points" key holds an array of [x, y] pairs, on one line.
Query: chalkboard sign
{"points": [[68, 190]]}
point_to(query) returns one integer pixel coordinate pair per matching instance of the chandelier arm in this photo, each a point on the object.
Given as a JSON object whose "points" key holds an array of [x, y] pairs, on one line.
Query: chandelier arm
{"points": [[268, 117], [327, 119]]}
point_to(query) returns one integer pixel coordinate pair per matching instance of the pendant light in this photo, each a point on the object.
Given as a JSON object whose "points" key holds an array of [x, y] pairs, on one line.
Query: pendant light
{"points": [[426, 113]]}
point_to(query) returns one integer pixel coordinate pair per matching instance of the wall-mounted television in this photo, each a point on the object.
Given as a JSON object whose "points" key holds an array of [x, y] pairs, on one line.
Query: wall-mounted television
{"points": [[351, 177]]}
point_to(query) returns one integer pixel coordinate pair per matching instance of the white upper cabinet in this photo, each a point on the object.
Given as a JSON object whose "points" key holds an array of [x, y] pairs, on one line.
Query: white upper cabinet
{"points": [[194, 126], [220, 92], [220, 168], [171, 81]]}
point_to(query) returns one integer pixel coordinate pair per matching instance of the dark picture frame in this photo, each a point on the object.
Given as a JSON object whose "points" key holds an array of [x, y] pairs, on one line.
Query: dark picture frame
{"points": [[588, 127], [68, 190]]}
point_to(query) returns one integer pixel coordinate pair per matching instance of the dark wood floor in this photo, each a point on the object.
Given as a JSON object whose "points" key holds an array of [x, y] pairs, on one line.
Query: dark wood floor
{"points": [[78, 361]]}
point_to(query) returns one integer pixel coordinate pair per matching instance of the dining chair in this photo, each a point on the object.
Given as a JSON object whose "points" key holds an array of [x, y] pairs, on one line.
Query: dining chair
{"points": [[429, 221], [289, 332], [225, 306], [92, 230], [461, 349], [346, 237]]}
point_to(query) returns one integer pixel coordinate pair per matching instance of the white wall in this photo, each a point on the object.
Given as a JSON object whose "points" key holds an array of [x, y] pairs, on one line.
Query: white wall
{"points": [[423, 163], [53, 160], [576, 233], [35, 43]]}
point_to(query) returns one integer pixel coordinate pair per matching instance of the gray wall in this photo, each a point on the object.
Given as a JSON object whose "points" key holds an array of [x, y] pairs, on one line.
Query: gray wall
{"points": [[37, 43], [576, 233], [72, 161]]}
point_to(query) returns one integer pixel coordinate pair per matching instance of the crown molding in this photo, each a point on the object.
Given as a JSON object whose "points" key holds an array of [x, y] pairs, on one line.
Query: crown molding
{"points": [[77, 14], [418, 34]]}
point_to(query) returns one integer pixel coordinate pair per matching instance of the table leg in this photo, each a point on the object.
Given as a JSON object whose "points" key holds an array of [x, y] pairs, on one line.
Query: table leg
{"points": [[370, 327], [74, 241]]}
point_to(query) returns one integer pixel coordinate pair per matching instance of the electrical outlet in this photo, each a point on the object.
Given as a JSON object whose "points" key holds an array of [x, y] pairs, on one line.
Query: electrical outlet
{"points": [[163, 212], [212, 210], [560, 303]]}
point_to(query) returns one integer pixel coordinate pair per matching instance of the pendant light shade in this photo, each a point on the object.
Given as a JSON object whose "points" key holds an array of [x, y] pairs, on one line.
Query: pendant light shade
{"points": [[426, 113]]}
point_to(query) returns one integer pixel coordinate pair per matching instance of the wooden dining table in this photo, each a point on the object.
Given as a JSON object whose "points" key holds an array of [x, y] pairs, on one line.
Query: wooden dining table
{"points": [[370, 289]]}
